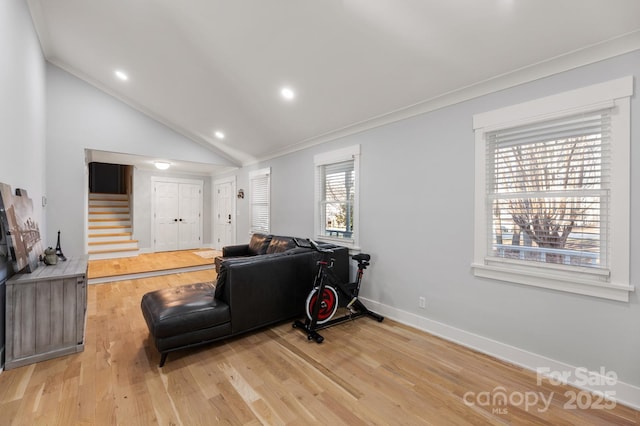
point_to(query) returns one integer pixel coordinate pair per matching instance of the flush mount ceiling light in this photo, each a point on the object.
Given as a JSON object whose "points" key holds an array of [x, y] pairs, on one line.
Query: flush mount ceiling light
{"points": [[287, 93], [162, 165], [122, 75], [219, 134]]}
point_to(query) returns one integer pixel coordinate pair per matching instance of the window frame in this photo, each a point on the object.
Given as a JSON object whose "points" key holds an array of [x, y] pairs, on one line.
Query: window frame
{"points": [[333, 157], [254, 175], [613, 283]]}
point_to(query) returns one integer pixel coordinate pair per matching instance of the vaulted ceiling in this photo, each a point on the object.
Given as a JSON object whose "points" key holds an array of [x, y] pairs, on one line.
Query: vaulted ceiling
{"points": [[201, 66]]}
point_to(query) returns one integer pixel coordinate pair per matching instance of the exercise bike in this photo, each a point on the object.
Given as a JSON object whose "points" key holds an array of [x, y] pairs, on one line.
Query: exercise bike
{"points": [[329, 292]]}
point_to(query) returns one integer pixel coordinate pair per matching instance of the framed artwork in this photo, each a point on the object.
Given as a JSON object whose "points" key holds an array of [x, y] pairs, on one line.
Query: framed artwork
{"points": [[22, 232]]}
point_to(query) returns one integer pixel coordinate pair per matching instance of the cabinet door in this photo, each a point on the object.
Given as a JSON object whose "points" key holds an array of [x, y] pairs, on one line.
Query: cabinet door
{"points": [[23, 320], [44, 316]]}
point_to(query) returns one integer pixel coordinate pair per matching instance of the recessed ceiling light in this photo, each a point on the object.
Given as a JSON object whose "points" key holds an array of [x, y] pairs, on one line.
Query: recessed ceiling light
{"points": [[162, 165], [219, 134], [122, 75], [287, 93]]}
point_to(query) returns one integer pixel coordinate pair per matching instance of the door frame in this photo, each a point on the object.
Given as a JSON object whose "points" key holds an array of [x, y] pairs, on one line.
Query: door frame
{"points": [[155, 179], [214, 201]]}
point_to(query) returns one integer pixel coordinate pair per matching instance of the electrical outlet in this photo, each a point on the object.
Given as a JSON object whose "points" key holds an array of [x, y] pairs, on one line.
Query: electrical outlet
{"points": [[422, 302]]}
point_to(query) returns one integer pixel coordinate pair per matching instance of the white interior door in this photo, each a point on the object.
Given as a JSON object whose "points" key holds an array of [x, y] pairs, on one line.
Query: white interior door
{"points": [[177, 211], [224, 213], [190, 213], [167, 210]]}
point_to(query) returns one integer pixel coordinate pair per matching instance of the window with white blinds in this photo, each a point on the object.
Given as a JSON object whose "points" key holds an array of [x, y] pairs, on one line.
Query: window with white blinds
{"points": [[338, 189], [548, 190], [260, 200], [552, 185], [337, 196]]}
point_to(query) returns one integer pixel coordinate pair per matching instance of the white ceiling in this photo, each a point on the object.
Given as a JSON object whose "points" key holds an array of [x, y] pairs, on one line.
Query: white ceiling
{"points": [[203, 65]]}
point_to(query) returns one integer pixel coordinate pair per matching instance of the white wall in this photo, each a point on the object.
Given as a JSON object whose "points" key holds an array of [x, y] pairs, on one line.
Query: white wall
{"points": [[82, 117], [22, 107], [417, 203]]}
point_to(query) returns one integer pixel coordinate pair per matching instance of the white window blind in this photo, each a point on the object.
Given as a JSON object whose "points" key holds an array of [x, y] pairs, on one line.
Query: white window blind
{"points": [[552, 191], [338, 189], [336, 196], [260, 198], [548, 187]]}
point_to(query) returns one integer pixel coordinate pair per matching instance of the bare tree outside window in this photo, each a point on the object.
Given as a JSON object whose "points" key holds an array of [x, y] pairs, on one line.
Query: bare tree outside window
{"points": [[547, 196]]}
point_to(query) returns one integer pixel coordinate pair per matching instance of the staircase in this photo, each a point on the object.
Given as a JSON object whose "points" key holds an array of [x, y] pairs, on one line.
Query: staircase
{"points": [[110, 227]]}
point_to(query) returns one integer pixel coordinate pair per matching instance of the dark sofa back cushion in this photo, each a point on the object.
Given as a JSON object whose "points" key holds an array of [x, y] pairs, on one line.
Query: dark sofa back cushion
{"points": [[280, 244], [221, 280], [221, 292], [259, 244]]}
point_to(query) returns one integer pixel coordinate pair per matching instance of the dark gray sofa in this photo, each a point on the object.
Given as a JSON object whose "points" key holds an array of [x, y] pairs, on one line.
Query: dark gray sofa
{"points": [[251, 292], [259, 244]]}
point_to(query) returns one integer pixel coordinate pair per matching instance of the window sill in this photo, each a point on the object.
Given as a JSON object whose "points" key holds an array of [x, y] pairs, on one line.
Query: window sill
{"points": [[350, 244], [585, 285]]}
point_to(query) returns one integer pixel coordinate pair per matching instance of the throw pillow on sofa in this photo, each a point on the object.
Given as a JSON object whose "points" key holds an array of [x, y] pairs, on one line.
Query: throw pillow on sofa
{"points": [[259, 244], [280, 244]]}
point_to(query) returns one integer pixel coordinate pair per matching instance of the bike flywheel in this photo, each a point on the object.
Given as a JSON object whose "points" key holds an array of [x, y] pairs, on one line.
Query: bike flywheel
{"points": [[328, 304]]}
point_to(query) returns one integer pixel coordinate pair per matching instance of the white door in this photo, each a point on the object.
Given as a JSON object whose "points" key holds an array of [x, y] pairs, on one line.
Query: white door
{"points": [[189, 220], [167, 206], [224, 214], [177, 208]]}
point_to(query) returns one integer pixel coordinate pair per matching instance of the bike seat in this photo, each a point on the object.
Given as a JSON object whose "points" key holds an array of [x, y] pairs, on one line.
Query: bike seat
{"points": [[362, 257]]}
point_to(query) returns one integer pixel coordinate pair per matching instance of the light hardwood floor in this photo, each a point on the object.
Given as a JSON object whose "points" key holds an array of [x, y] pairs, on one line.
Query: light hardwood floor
{"points": [[364, 373], [150, 262]]}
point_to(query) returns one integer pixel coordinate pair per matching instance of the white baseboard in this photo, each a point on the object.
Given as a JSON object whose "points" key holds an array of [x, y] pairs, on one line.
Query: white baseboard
{"points": [[623, 393]]}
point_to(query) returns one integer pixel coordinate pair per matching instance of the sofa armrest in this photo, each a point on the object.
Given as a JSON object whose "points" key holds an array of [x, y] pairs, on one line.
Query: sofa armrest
{"points": [[257, 245], [235, 251]]}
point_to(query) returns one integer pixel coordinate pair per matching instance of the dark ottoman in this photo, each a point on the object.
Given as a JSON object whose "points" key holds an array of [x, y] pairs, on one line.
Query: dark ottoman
{"points": [[180, 317]]}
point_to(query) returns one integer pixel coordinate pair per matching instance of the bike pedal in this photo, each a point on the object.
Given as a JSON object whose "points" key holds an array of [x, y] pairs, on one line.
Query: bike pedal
{"points": [[350, 304]]}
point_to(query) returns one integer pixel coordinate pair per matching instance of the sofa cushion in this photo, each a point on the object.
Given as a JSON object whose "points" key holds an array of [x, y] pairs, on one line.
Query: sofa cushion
{"points": [[177, 310], [280, 244], [259, 244]]}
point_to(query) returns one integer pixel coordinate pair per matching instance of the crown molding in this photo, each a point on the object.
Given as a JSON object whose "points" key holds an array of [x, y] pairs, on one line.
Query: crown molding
{"points": [[588, 55]]}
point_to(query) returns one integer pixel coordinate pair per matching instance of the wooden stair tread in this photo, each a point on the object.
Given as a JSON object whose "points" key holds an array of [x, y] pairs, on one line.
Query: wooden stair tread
{"points": [[97, 243], [112, 251], [111, 212], [110, 227], [111, 200], [111, 234]]}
